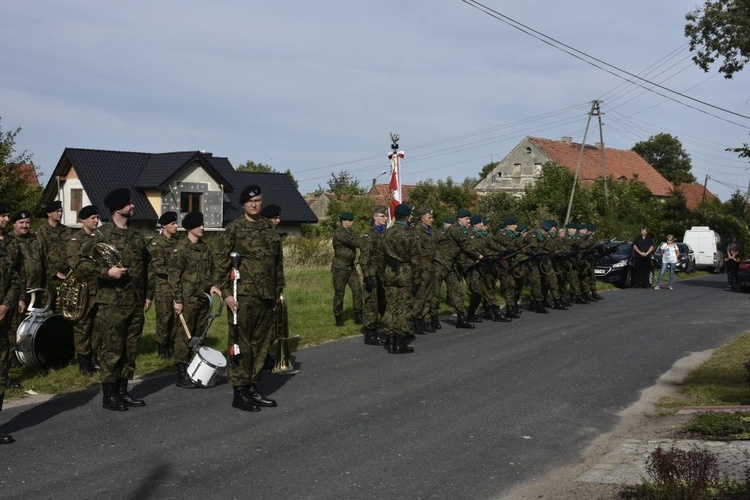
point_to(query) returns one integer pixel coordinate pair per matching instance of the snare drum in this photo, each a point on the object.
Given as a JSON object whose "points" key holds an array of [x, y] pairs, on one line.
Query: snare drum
{"points": [[45, 340], [206, 366]]}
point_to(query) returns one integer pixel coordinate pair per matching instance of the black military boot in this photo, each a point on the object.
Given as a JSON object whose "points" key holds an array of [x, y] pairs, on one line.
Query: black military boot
{"points": [[488, 314], [400, 346], [5, 438], [242, 400], [512, 311], [428, 326], [94, 360], [14, 361], [182, 377], [498, 316], [435, 322], [390, 342], [372, 337], [339, 320], [473, 317], [539, 307], [595, 295], [419, 326], [558, 305], [84, 365], [258, 398], [358, 318], [127, 399], [111, 396], [592, 297], [461, 321], [546, 302], [579, 299], [162, 350]]}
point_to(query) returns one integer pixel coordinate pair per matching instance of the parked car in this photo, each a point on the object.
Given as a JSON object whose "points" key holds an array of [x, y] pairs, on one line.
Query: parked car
{"points": [[686, 262], [616, 266], [743, 276]]}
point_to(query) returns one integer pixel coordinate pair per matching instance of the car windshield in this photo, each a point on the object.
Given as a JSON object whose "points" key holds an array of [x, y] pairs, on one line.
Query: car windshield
{"points": [[623, 249]]}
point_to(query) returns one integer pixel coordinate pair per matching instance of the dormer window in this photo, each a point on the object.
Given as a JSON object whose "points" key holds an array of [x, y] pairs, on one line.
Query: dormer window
{"points": [[190, 202]]}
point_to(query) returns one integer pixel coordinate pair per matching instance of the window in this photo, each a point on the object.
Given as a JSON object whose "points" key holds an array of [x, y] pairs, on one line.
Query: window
{"points": [[76, 200], [528, 150], [190, 202]]}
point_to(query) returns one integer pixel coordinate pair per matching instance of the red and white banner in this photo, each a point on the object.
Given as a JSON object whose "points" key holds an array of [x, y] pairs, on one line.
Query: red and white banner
{"points": [[394, 185]]}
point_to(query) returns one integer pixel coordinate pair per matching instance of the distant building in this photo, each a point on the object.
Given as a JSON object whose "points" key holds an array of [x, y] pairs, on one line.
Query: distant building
{"points": [[695, 194], [523, 166], [188, 181]]}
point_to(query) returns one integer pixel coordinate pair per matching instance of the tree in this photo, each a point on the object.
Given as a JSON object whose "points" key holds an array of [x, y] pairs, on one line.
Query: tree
{"points": [[720, 30], [444, 197], [487, 169], [15, 190], [251, 166], [342, 184], [665, 153]]}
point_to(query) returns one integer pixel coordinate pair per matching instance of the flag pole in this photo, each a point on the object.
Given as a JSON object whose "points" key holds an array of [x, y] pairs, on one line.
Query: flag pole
{"points": [[394, 185]]}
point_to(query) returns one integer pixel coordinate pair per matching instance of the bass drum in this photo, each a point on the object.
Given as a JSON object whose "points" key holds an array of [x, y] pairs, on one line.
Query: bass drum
{"points": [[45, 340]]}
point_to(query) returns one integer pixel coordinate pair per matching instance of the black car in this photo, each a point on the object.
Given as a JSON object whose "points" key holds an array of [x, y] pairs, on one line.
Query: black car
{"points": [[743, 276], [616, 266], [686, 262]]}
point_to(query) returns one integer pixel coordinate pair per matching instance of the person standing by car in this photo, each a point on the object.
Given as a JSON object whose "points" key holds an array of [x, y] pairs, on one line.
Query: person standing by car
{"points": [[670, 254], [643, 247], [732, 262]]}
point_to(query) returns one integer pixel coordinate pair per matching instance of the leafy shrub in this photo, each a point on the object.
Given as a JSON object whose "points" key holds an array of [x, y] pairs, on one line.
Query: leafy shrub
{"points": [[312, 252], [721, 425]]}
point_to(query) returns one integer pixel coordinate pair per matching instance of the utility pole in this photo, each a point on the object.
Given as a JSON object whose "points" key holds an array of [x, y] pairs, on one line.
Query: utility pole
{"points": [[580, 159], [703, 198], [598, 113]]}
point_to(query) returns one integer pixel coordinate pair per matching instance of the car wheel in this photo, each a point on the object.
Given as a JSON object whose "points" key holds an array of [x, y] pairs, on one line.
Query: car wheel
{"points": [[628, 281]]}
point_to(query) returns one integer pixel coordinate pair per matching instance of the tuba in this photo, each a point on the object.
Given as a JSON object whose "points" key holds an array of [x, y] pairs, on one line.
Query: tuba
{"points": [[73, 293], [284, 364]]}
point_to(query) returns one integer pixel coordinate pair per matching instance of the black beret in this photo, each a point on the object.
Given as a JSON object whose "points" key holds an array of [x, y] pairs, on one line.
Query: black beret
{"points": [[53, 207], [116, 199], [192, 220], [4, 209], [88, 211], [402, 209], [250, 191], [23, 214], [271, 211], [167, 218], [346, 216]]}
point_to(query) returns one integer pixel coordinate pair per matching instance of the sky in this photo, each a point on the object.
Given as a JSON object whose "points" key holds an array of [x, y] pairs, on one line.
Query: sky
{"points": [[317, 87]]}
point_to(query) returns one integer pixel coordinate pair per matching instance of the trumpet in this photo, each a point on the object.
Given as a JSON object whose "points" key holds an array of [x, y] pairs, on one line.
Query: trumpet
{"points": [[284, 364]]}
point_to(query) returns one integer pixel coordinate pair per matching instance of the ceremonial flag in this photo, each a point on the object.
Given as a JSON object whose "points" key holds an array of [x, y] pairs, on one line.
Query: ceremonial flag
{"points": [[394, 185]]}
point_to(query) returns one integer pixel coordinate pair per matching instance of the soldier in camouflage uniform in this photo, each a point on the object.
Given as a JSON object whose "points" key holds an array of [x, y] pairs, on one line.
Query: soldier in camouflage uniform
{"points": [[54, 236], [11, 248], [120, 299], [403, 272], [426, 244], [541, 248], [260, 285], [595, 251], [443, 272], [86, 340], [344, 269], [161, 249], [10, 288], [572, 263], [506, 238], [372, 265], [192, 272], [480, 276], [32, 261]]}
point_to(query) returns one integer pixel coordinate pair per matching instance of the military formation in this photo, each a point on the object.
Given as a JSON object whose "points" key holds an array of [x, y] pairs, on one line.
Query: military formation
{"points": [[116, 275], [406, 266]]}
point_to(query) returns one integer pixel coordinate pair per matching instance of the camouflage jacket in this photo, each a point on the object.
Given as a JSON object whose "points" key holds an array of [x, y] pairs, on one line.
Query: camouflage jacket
{"points": [[261, 259], [10, 283], [32, 259], [426, 242], [191, 271], [345, 244], [129, 290], [73, 253], [372, 253], [54, 241], [160, 251], [403, 263]]}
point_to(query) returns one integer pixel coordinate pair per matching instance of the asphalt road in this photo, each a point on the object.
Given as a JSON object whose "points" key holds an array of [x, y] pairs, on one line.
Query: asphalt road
{"points": [[470, 414]]}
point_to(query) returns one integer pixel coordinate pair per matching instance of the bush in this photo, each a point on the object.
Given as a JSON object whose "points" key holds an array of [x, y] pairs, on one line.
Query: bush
{"points": [[721, 425], [307, 252]]}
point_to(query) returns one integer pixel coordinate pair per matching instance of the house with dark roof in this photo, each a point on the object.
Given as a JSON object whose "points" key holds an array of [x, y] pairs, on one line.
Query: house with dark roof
{"points": [[187, 181], [523, 166]]}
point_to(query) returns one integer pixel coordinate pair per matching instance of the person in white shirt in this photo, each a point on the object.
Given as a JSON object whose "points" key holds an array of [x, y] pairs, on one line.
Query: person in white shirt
{"points": [[670, 254]]}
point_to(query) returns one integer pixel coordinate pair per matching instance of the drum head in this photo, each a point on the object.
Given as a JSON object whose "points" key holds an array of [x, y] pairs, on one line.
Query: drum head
{"points": [[212, 357]]}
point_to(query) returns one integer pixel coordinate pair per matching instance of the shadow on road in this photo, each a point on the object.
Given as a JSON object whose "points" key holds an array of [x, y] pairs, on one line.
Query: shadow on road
{"points": [[36, 414]]}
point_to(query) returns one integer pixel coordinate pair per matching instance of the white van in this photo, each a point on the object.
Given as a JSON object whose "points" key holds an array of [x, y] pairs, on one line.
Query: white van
{"points": [[706, 244]]}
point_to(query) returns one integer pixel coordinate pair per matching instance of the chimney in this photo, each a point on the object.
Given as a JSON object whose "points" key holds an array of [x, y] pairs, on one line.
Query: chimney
{"points": [[567, 139]]}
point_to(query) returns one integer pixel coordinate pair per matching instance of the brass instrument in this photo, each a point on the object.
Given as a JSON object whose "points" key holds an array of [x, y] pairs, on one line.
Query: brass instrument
{"points": [[73, 293], [284, 364]]}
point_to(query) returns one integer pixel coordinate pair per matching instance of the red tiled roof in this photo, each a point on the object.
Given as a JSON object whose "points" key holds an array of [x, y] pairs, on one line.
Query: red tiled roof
{"points": [[381, 193], [27, 172], [620, 164], [694, 195]]}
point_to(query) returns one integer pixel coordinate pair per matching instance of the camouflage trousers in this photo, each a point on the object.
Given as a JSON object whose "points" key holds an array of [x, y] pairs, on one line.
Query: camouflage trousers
{"points": [[374, 305], [86, 338], [166, 326], [120, 328], [454, 289], [4, 361], [425, 294], [194, 312], [255, 320], [398, 305], [482, 287], [341, 279], [507, 286], [570, 273]]}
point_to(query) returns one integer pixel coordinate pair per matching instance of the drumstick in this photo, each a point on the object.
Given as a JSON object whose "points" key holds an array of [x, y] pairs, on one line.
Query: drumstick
{"points": [[184, 325]]}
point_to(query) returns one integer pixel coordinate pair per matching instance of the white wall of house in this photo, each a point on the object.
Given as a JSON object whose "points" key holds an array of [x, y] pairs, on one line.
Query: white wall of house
{"points": [[522, 167], [73, 195]]}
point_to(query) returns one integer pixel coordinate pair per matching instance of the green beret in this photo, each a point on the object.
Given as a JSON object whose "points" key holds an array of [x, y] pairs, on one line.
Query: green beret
{"points": [[546, 225], [509, 221], [402, 209], [449, 220], [554, 223], [571, 225], [501, 225], [463, 213], [346, 216], [521, 228], [582, 226], [591, 227], [475, 219]]}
